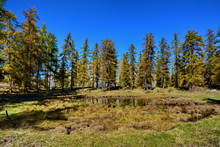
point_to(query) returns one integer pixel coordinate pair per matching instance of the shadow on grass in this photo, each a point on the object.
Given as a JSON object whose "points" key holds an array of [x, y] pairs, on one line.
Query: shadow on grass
{"points": [[36, 96], [31, 119], [213, 101]]}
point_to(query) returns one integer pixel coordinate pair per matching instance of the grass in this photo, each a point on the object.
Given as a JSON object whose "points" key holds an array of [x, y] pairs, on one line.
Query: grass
{"points": [[202, 133], [72, 122]]}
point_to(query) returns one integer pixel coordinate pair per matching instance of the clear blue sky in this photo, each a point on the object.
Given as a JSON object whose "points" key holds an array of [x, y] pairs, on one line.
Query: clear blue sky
{"points": [[123, 21]]}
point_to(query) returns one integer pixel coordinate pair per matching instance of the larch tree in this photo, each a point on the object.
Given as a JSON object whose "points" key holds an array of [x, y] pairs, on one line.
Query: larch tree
{"points": [[8, 41], [147, 61], [194, 60], [95, 65], [132, 60], [84, 65], [108, 64], [125, 79], [30, 47]]}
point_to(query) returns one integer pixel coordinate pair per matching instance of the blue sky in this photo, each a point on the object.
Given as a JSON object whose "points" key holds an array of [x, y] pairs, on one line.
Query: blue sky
{"points": [[123, 21]]}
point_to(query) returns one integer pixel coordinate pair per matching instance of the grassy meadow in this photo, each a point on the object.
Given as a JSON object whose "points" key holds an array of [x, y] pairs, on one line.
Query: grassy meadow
{"points": [[170, 117]]}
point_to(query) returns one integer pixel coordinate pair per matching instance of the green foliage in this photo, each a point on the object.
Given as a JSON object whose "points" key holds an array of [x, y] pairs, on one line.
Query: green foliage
{"points": [[108, 63], [146, 65], [132, 60], [212, 61], [84, 65], [176, 49], [193, 57], [49, 57], [29, 51], [125, 80], [162, 67], [95, 65]]}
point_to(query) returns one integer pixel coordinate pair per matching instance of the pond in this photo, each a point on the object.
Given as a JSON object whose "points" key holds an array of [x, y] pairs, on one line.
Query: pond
{"points": [[121, 102]]}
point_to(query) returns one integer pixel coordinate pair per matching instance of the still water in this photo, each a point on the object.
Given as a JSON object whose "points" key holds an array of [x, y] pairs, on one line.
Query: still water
{"points": [[121, 102]]}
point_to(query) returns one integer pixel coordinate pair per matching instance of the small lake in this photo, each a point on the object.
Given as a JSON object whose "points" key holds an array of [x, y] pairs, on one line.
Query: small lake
{"points": [[121, 102]]}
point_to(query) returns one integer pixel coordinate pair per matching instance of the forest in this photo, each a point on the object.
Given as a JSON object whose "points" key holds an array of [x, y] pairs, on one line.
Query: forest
{"points": [[162, 95], [30, 59]]}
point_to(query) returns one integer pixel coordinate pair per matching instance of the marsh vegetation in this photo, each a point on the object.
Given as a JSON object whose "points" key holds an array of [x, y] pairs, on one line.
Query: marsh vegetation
{"points": [[91, 117]]}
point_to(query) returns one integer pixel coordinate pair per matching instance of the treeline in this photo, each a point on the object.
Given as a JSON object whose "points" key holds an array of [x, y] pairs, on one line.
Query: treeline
{"points": [[30, 59]]}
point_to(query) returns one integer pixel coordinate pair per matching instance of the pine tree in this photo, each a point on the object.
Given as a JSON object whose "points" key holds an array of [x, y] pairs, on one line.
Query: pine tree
{"points": [[194, 60], [108, 64], [84, 65], [132, 59], [95, 65], [125, 80], [147, 61]]}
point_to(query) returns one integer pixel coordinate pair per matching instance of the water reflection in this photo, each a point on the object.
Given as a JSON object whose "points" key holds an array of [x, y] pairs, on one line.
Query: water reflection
{"points": [[120, 102]]}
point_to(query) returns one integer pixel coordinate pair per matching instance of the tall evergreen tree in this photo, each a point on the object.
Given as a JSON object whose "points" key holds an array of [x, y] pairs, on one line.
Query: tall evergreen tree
{"points": [[194, 60], [84, 65], [211, 51], [30, 47], [214, 62], [125, 80], [163, 61], [132, 59], [147, 61], [49, 61], [9, 44], [72, 56], [139, 80], [177, 59], [108, 63], [62, 74], [95, 65]]}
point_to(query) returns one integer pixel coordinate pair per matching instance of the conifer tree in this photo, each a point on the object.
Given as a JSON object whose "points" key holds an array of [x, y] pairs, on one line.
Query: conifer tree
{"points": [[49, 61], [139, 80], [84, 65], [95, 65], [125, 80], [72, 56], [214, 62], [70, 59], [211, 51], [62, 74], [108, 63], [30, 47], [177, 60], [9, 44], [163, 60], [132, 59], [147, 61], [194, 60]]}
